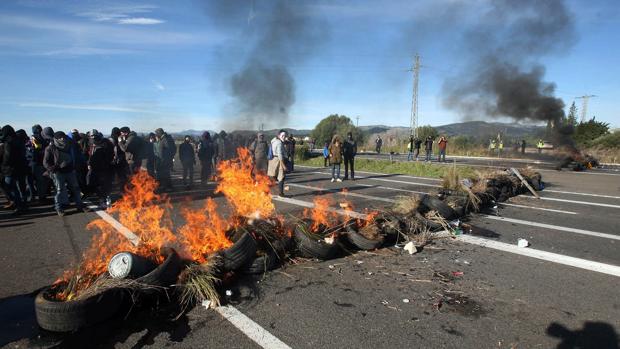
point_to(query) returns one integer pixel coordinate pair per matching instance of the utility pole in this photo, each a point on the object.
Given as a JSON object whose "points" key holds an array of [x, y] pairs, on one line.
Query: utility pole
{"points": [[357, 121], [414, 99], [584, 105]]}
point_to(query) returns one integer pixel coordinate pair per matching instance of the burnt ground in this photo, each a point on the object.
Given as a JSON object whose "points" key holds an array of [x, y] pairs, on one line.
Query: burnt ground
{"points": [[501, 300]]}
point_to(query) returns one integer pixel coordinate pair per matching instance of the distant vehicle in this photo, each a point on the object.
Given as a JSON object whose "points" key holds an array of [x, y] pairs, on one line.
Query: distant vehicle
{"points": [[547, 145]]}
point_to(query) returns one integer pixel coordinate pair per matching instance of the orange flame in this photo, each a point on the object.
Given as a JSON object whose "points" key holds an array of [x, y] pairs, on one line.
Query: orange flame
{"points": [[248, 192], [320, 214], [204, 231]]}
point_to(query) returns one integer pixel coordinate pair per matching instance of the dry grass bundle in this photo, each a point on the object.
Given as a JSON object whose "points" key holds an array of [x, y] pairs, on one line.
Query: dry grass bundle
{"points": [[434, 216], [371, 232], [406, 205], [198, 283], [106, 282], [451, 180], [423, 238]]}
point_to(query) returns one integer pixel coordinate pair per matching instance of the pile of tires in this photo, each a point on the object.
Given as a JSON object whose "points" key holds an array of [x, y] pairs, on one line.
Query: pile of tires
{"points": [[313, 245]]}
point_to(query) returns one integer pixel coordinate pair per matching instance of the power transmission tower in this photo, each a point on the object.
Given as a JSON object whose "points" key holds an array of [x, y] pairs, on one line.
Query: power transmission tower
{"points": [[414, 98], [357, 121], [584, 105]]}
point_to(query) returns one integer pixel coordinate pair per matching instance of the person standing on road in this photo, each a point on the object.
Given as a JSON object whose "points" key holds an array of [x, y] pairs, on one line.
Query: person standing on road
{"points": [[428, 147], [335, 157], [417, 143], [289, 147], [410, 145], [206, 151], [492, 146], [119, 162], [523, 146], [26, 182], [442, 145], [259, 149], [59, 160], [540, 146], [165, 150], [99, 176], [149, 154], [325, 154], [188, 160], [41, 181], [378, 144], [349, 150], [277, 165], [133, 146], [13, 166]]}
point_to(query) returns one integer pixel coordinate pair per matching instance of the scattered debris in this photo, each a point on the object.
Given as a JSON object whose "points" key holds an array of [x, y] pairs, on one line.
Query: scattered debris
{"points": [[523, 243], [410, 247], [457, 273], [405, 300]]}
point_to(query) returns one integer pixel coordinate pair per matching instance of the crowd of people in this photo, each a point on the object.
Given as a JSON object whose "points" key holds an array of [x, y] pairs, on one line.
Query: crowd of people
{"points": [[77, 165]]}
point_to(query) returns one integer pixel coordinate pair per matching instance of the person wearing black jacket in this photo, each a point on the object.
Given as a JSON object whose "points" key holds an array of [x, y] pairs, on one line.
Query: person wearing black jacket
{"points": [[165, 149], [188, 160], [349, 150], [206, 151], [40, 140], [149, 154], [119, 162], [259, 149], [133, 146], [428, 147], [100, 167], [13, 166], [59, 160]]}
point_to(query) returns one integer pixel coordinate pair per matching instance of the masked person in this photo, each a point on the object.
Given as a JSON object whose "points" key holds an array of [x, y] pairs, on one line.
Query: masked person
{"points": [[165, 150], [187, 155], [259, 149], [99, 175], [277, 166], [349, 150], [41, 181], [206, 152], [133, 147], [13, 166], [119, 162], [59, 160]]}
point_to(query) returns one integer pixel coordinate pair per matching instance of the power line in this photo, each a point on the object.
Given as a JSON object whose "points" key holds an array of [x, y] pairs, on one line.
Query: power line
{"points": [[584, 106], [414, 99]]}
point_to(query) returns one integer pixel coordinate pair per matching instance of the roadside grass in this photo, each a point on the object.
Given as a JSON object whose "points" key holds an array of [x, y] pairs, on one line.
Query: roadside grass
{"points": [[413, 168]]}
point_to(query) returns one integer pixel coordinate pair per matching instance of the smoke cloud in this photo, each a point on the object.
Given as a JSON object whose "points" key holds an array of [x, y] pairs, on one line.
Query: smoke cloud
{"points": [[281, 34], [504, 76]]}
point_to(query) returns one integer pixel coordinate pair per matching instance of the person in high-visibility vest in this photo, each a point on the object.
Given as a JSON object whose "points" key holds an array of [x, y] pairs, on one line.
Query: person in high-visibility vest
{"points": [[492, 146], [500, 148], [540, 146]]}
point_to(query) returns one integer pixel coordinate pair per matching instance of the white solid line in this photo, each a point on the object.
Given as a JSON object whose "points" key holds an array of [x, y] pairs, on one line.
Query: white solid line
{"points": [[586, 194], [537, 208], [311, 205], [544, 255], [250, 328], [338, 191], [572, 201], [554, 227], [378, 173], [529, 252], [133, 238], [387, 180], [389, 188]]}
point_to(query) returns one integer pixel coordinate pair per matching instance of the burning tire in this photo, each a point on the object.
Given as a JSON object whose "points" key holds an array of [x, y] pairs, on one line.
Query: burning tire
{"points": [[166, 273], [262, 264], [311, 247], [433, 203], [67, 316], [362, 242], [239, 254]]}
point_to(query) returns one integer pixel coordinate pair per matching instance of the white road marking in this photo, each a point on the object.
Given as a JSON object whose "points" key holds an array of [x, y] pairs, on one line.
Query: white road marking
{"points": [[389, 188], [250, 328], [511, 248], [537, 208], [338, 191], [386, 180], [307, 204], [543, 255], [572, 201], [585, 194], [554, 227]]}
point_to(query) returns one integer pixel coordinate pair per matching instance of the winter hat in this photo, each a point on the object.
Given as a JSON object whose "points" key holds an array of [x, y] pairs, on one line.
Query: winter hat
{"points": [[48, 133]]}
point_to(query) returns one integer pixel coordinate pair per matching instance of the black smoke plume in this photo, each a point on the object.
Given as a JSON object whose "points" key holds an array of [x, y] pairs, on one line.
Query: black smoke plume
{"points": [[280, 34], [504, 76]]}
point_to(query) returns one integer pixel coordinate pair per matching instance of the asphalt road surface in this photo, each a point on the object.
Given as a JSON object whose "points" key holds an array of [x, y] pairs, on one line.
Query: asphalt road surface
{"points": [[562, 291]]}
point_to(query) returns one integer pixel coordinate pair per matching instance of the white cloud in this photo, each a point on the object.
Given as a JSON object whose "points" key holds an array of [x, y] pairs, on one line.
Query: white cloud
{"points": [[85, 51], [140, 21], [158, 85], [93, 107]]}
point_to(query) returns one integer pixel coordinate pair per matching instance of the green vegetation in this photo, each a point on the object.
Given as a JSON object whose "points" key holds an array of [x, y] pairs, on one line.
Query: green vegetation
{"points": [[335, 125], [408, 168], [587, 132]]}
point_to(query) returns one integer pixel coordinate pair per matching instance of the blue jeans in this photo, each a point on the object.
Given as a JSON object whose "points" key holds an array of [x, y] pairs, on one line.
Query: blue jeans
{"points": [[335, 171], [62, 181], [442, 154], [10, 185], [428, 155]]}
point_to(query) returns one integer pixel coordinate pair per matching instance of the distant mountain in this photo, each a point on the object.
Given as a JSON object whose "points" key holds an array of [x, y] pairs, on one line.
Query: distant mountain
{"points": [[468, 128]]}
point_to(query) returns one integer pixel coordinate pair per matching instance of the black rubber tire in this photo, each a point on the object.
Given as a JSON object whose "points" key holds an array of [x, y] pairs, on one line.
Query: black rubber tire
{"points": [[262, 264], [360, 241], [166, 273], [310, 248], [239, 254], [433, 203], [69, 316], [433, 226]]}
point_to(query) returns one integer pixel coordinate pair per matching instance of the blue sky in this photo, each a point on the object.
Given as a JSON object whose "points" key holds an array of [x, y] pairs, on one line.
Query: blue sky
{"points": [[95, 64]]}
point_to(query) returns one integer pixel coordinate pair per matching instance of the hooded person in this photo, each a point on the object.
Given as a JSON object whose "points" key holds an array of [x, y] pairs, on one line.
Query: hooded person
{"points": [[259, 149], [277, 164], [59, 160], [81, 165], [187, 155], [349, 150], [120, 169], [100, 167], [133, 146], [149, 153], [39, 143], [206, 152], [26, 182], [165, 149], [13, 166]]}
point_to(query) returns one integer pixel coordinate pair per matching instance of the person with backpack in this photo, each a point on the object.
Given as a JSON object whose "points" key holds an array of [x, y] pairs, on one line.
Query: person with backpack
{"points": [[206, 152], [133, 146], [187, 155], [277, 157], [259, 149], [335, 157], [349, 150], [59, 160], [99, 176], [325, 154], [165, 150]]}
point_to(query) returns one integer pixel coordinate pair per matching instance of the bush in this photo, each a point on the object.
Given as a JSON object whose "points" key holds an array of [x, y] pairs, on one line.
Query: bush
{"points": [[611, 140], [587, 132], [302, 152]]}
